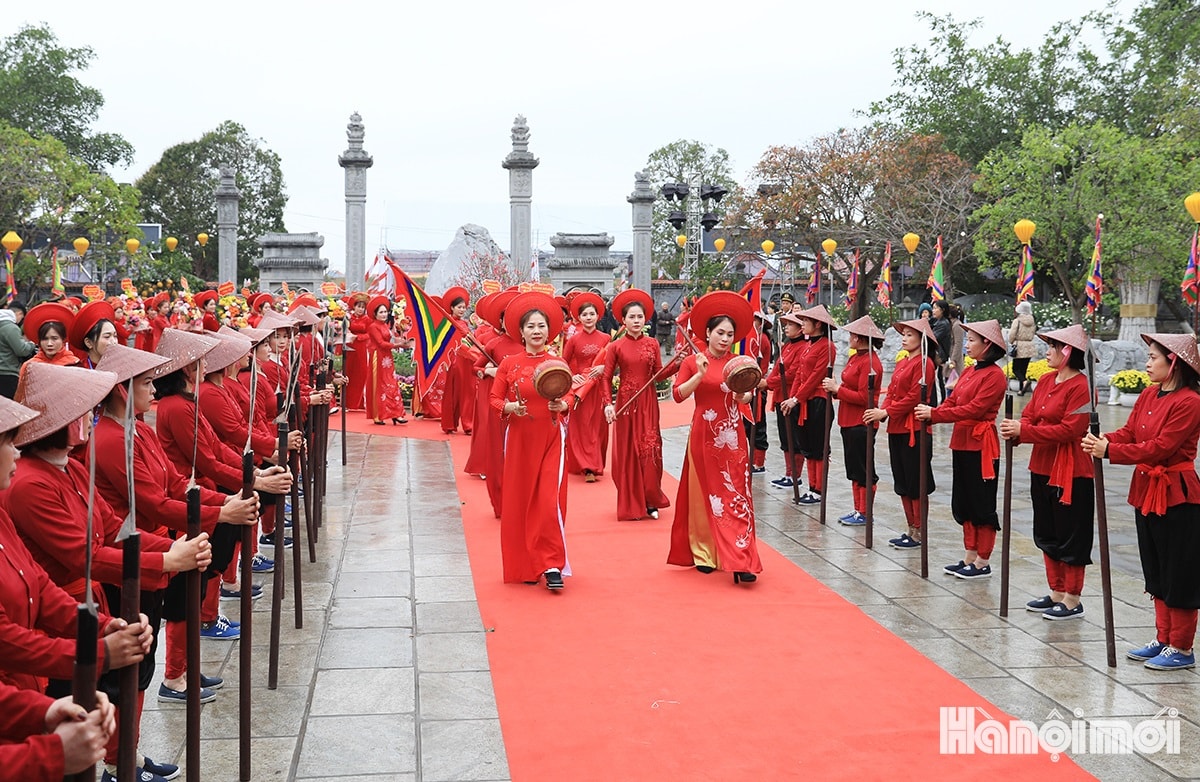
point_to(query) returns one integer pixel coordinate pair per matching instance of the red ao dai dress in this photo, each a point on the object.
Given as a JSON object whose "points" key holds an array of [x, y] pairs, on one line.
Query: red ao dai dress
{"points": [[714, 513], [587, 436], [534, 508], [637, 442], [382, 392]]}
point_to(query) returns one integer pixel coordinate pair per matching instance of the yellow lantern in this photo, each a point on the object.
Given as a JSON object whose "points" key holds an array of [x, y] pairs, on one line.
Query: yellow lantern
{"points": [[768, 246], [132, 245], [911, 240], [172, 243], [1024, 230], [681, 240], [830, 246], [1192, 203], [12, 242], [719, 243], [81, 246], [202, 238]]}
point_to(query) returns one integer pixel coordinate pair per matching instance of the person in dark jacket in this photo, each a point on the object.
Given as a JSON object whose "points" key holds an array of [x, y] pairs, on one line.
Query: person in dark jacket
{"points": [[940, 323], [14, 349]]}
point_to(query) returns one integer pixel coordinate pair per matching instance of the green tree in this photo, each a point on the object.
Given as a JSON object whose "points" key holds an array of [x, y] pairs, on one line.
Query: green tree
{"points": [[673, 163], [1063, 180], [47, 193], [43, 98], [179, 192]]}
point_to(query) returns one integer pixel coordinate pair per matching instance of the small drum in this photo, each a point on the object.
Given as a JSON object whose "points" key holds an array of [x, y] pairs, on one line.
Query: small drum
{"points": [[552, 379], [742, 374]]}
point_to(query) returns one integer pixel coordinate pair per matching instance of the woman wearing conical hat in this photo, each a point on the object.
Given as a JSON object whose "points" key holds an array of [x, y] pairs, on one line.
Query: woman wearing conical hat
{"points": [[787, 368], [808, 398], [533, 516], [975, 447], [1060, 473], [851, 394], [1160, 439]]}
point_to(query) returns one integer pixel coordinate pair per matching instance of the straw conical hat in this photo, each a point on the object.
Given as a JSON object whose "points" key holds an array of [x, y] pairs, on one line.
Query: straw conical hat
{"points": [[183, 348], [13, 415], [1073, 335], [276, 320], [230, 349], [989, 330], [864, 327], [1182, 345], [61, 395], [126, 362], [819, 314]]}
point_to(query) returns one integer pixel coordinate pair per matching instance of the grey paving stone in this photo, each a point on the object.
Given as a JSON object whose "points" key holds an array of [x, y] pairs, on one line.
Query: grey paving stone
{"points": [[277, 713], [380, 584], [452, 652], [956, 658], [440, 543], [441, 589], [378, 647], [462, 750], [376, 560], [441, 565], [270, 758], [371, 612], [378, 691], [456, 696], [358, 746], [451, 617]]}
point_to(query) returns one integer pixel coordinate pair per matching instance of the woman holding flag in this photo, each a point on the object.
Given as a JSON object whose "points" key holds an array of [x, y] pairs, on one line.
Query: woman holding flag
{"points": [[587, 437], [382, 393], [713, 527], [637, 441]]}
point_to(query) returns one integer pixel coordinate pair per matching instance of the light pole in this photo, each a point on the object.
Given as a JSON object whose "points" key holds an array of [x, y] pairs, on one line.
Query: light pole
{"points": [[694, 196]]}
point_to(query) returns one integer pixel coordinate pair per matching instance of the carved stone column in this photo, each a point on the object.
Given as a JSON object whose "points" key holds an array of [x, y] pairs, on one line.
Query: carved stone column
{"points": [[356, 161], [520, 164], [642, 199], [228, 197]]}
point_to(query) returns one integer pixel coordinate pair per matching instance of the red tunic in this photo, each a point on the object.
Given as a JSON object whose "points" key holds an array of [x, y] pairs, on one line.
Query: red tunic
{"points": [[1161, 433], [160, 489], [48, 506], [219, 404], [34, 755], [37, 618], [1052, 424], [587, 436], [788, 365], [487, 442], [972, 408], [714, 509], [355, 364], [852, 394], [904, 394], [819, 354], [535, 486], [210, 322], [158, 324], [217, 464], [383, 393], [637, 442]]}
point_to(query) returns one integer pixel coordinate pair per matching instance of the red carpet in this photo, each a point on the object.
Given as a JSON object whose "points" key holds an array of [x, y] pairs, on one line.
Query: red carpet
{"points": [[640, 670]]}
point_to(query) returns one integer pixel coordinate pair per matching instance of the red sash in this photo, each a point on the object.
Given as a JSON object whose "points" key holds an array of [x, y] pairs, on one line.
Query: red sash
{"points": [[985, 432], [1155, 501]]}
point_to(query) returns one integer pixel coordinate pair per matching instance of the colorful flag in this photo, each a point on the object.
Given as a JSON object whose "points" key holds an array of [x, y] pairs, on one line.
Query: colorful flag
{"points": [[752, 292], [1094, 286], [535, 274], [1025, 275], [814, 286], [56, 281], [433, 330], [852, 286], [1191, 281], [883, 290], [380, 277], [937, 281]]}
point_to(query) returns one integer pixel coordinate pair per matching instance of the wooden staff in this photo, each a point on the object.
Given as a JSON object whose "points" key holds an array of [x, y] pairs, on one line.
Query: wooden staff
{"points": [[280, 552], [87, 636], [194, 598], [294, 413], [1006, 534], [923, 471], [1110, 641], [320, 414], [247, 570], [657, 376], [342, 391], [131, 590], [828, 433], [869, 503]]}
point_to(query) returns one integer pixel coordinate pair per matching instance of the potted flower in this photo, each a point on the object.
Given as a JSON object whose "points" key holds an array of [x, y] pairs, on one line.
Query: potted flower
{"points": [[1130, 383]]}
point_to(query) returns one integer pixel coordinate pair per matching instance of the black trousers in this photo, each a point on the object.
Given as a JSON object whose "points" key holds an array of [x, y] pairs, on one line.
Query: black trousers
{"points": [[757, 432]]}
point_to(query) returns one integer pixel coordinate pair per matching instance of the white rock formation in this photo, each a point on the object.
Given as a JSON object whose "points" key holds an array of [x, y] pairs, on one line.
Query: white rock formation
{"points": [[470, 240]]}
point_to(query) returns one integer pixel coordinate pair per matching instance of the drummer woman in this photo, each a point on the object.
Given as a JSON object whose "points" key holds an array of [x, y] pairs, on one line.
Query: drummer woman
{"points": [[637, 442], [532, 542], [93, 331], [905, 392], [807, 396], [587, 437], [975, 447], [713, 527], [1060, 473], [852, 396], [1160, 438]]}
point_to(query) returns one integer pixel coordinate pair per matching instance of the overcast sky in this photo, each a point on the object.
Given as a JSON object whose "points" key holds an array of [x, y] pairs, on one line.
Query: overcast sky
{"points": [[439, 83]]}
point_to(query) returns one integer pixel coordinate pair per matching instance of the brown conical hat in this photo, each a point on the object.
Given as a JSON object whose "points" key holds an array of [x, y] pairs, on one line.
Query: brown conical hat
{"points": [[61, 395], [864, 327], [818, 313], [254, 335], [183, 348], [1073, 335], [13, 415], [920, 325], [276, 320], [232, 348], [306, 316], [989, 330], [1182, 345], [126, 362]]}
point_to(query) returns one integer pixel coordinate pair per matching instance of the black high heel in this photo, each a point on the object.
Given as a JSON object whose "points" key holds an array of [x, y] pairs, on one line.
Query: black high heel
{"points": [[398, 421], [380, 423], [745, 578], [705, 568]]}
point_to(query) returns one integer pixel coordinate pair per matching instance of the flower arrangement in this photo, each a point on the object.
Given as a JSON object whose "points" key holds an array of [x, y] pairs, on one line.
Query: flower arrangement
{"points": [[336, 310], [233, 311], [407, 383], [1033, 372], [1130, 381], [901, 354]]}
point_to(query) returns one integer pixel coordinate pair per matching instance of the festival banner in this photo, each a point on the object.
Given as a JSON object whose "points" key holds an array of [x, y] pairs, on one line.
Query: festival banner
{"points": [[433, 331], [883, 289], [1094, 286], [937, 280], [852, 286]]}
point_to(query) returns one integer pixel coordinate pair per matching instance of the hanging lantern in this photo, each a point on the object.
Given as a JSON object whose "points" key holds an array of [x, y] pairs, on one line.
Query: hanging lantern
{"points": [[132, 245], [202, 238], [172, 243], [768, 246], [830, 246], [681, 240], [1024, 230], [911, 240], [719, 243], [1192, 203], [12, 242]]}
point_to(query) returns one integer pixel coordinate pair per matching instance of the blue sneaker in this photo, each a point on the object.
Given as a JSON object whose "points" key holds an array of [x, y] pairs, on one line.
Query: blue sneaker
{"points": [[164, 770], [167, 695], [1171, 659], [952, 569], [784, 482], [973, 571], [904, 541], [207, 683], [228, 621], [236, 594], [269, 541], [220, 630], [1060, 611], [848, 517], [141, 775], [1041, 605], [261, 564], [809, 498], [1147, 652], [854, 519]]}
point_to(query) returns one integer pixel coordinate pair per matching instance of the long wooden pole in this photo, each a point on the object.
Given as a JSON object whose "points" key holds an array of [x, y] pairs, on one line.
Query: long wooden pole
{"points": [[194, 598], [923, 468], [280, 553], [1006, 534], [1110, 641], [245, 685], [131, 593], [87, 634], [869, 502]]}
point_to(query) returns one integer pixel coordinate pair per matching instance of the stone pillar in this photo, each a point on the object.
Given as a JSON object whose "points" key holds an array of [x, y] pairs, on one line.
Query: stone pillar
{"points": [[520, 164], [228, 197], [356, 161], [642, 199]]}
